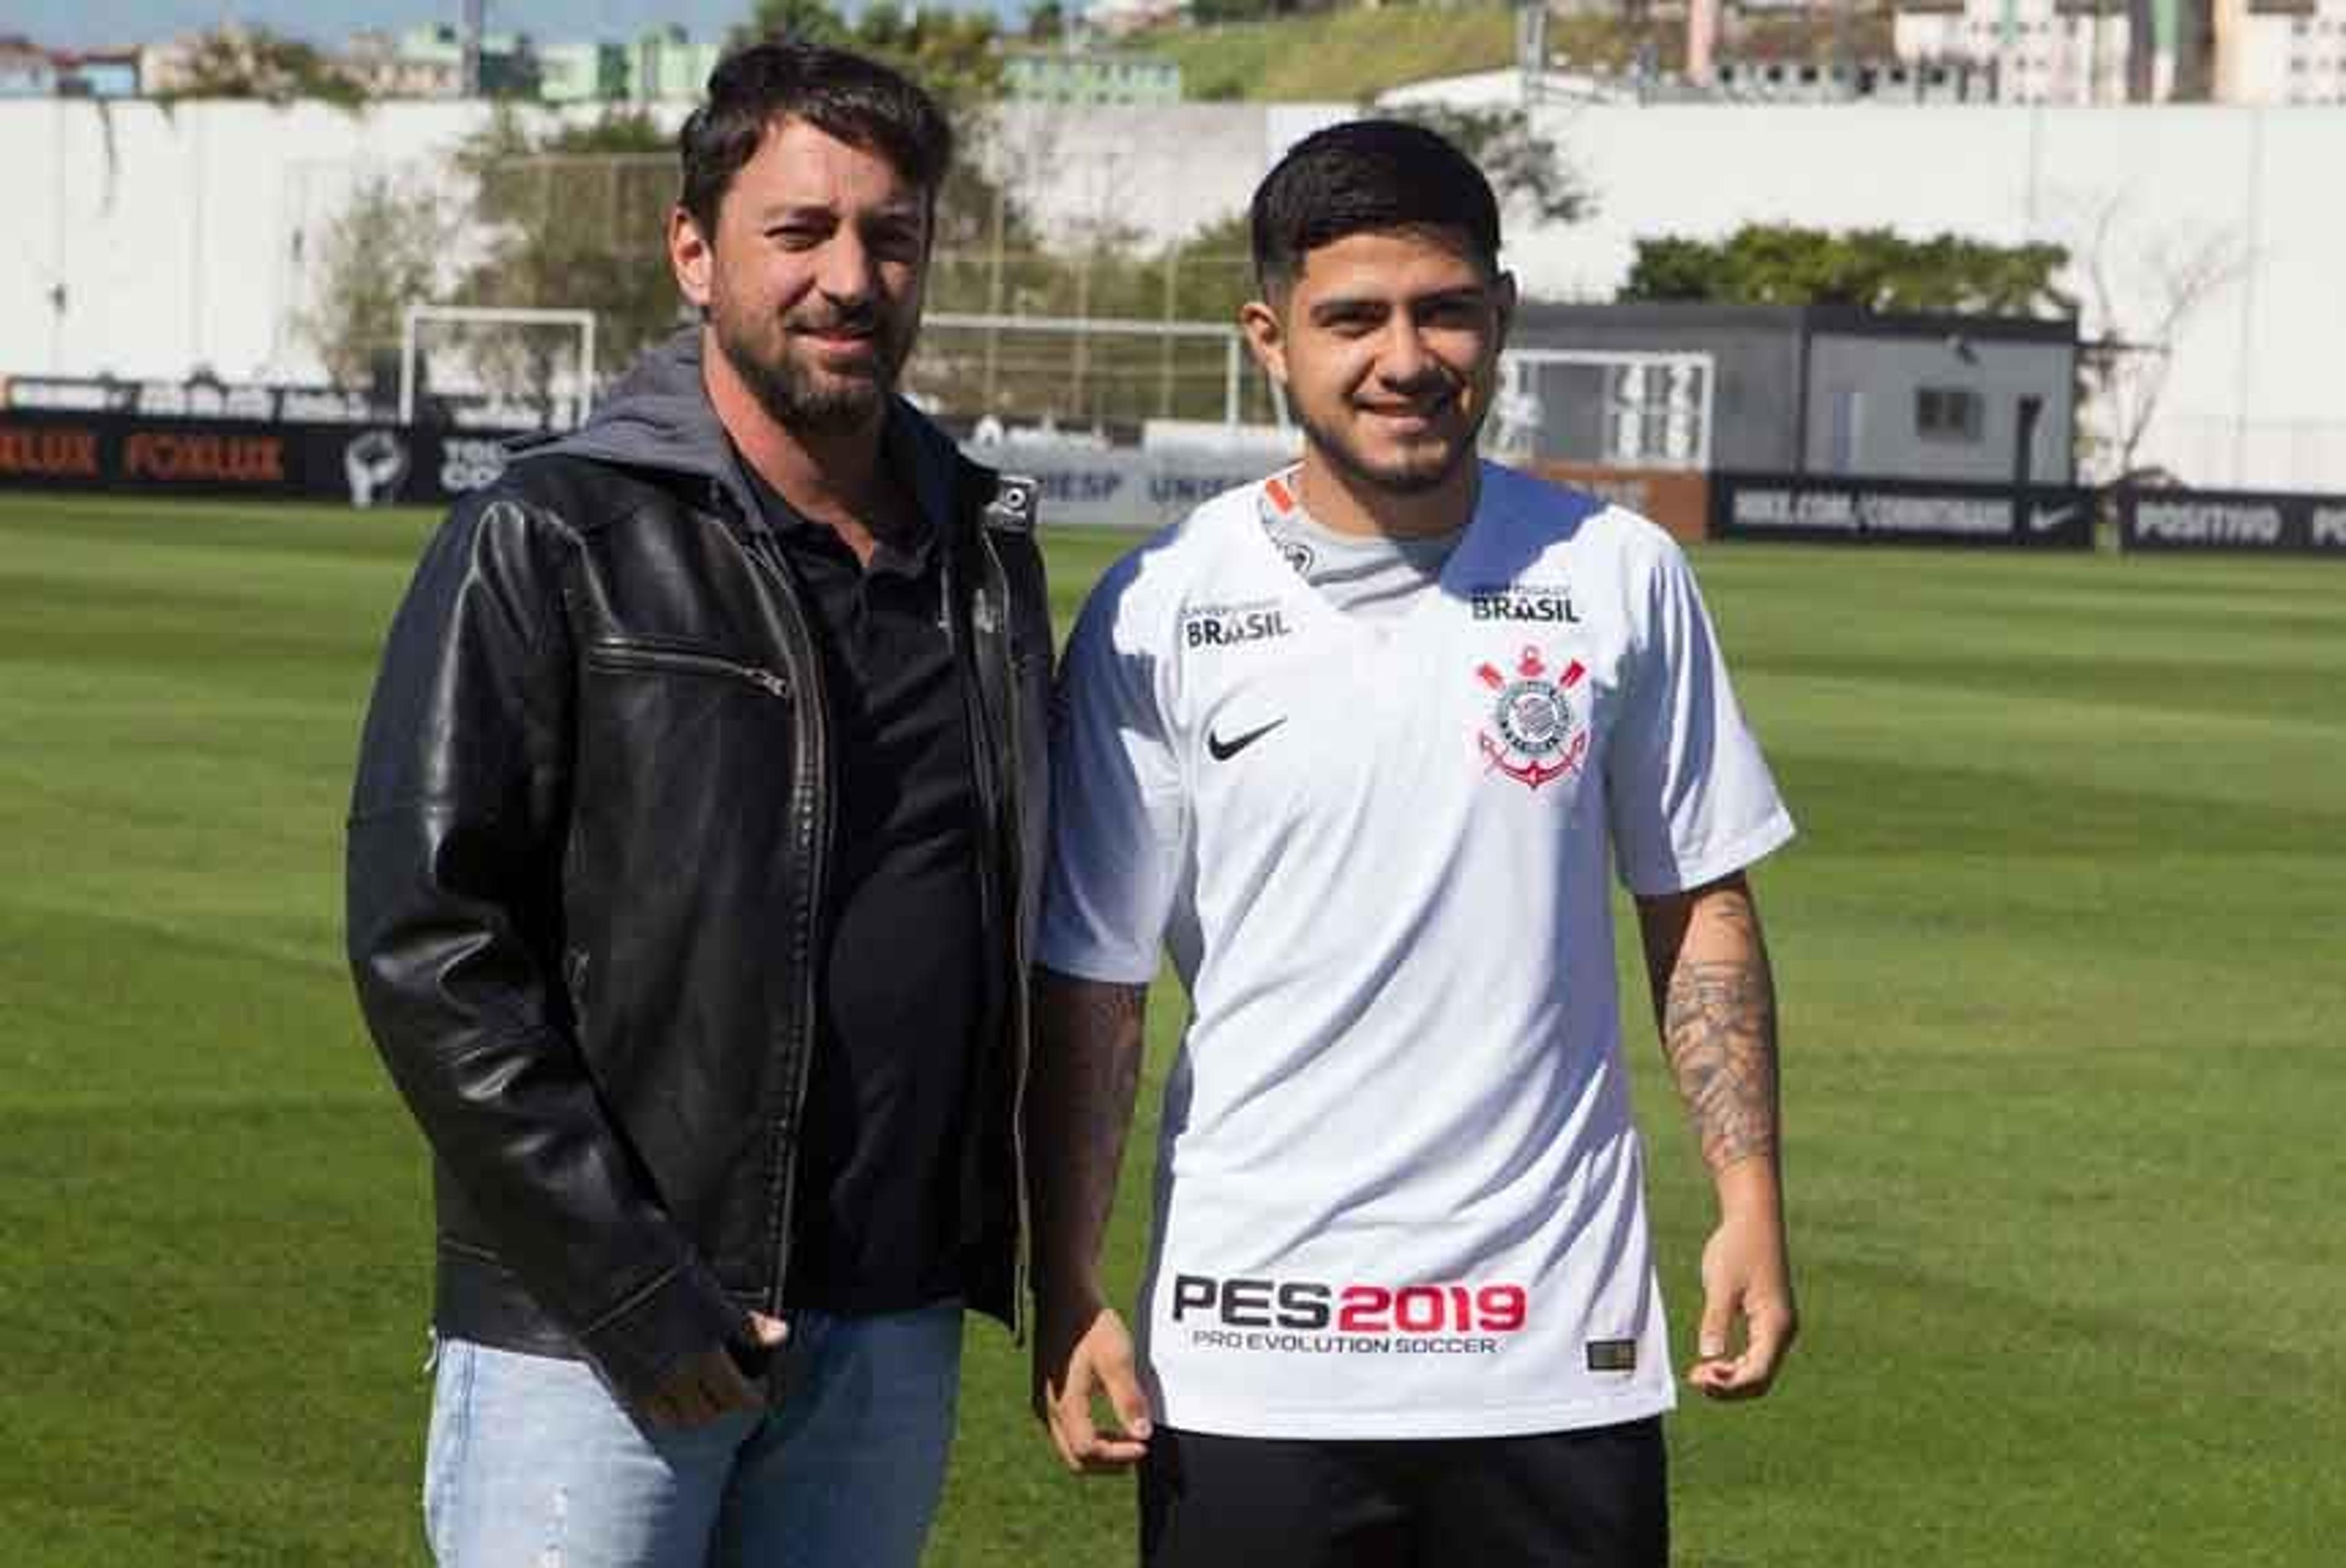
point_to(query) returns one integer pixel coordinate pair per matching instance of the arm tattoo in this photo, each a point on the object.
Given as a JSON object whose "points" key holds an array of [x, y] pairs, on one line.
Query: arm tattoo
{"points": [[1087, 1057], [1717, 1008]]}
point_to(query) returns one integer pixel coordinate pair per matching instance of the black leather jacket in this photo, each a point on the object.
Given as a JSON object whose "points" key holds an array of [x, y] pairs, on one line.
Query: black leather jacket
{"points": [[587, 852]]}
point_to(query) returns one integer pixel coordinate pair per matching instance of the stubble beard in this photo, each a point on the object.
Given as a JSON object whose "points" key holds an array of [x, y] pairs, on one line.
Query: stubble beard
{"points": [[1405, 480], [798, 397]]}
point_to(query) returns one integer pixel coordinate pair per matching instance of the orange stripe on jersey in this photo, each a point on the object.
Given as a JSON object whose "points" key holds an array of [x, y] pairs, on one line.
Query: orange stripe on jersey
{"points": [[1280, 496]]}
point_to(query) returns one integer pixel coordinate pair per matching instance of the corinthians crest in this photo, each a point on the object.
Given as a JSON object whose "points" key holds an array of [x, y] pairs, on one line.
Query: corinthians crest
{"points": [[1537, 733]]}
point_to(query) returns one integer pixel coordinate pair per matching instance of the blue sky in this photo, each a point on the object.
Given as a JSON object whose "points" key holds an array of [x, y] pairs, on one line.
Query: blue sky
{"points": [[92, 23]]}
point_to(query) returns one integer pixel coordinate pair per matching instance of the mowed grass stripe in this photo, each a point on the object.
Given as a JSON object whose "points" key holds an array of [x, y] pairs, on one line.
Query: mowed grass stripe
{"points": [[2058, 955]]}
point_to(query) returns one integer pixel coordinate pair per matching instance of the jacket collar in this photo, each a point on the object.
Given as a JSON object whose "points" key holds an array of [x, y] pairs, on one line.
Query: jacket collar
{"points": [[658, 417]]}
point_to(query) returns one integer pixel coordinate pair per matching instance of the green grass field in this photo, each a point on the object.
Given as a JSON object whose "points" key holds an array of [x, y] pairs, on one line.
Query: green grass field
{"points": [[2062, 960]]}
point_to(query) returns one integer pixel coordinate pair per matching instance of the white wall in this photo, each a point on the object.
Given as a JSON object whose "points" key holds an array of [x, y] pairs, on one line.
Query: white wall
{"points": [[174, 234], [2251, 395]]}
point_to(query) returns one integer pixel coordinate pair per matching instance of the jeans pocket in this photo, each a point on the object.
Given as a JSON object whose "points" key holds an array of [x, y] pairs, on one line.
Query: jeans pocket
{"points": [[445, 1441]]}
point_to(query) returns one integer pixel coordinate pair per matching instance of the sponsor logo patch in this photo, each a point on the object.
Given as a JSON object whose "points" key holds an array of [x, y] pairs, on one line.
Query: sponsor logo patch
{"points": [[1528, 601], [1539, 732], [1232, 625], [1612, 1355], [1223, 750], [375, 464], [1310, 1316]]}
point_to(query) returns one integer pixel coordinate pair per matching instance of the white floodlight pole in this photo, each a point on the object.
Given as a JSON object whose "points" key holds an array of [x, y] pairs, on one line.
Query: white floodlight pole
{"points": [[407, 366]]}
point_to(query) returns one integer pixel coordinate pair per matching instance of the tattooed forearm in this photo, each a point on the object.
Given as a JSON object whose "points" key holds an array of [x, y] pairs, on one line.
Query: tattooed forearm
{"points": [[1716, 1005], [1088, 1052]]}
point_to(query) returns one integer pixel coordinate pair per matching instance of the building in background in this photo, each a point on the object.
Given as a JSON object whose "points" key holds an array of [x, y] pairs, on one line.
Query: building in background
{"points": [[2120, 51], [25, 69], [1820, 390], [575, 73], [1122, 18], [1089, 77], [429, 63], [509, 61], [167, 66], [412, 64], [668, 66], [2280, 51], [98, 74]]}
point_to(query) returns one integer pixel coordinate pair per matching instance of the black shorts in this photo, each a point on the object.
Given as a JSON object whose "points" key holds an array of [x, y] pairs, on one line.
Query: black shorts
{"points": [[1593, 1499]]}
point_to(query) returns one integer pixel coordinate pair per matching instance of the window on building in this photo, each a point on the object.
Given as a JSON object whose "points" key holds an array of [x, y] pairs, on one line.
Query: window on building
{"points": [[1946, 414]]}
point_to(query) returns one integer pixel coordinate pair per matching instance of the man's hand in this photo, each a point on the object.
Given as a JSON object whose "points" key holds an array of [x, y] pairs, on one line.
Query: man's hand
{"points": [[1086, 1067], [1746, 1278], [1079, 1356], [1715, 1000], [710, 1384]]}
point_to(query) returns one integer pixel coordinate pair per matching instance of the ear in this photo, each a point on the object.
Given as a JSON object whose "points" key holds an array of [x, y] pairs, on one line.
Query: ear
{"points": [[1503, 299], [1266, 336], [691, 257]]}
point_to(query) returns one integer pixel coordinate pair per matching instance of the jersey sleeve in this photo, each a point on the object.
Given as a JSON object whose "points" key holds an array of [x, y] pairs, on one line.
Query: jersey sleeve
{"points": [[1689, 796], [1116, 811]]}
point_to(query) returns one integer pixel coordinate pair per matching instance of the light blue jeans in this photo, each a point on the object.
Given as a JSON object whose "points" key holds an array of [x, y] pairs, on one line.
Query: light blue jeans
{"points": [[530, 1463]]}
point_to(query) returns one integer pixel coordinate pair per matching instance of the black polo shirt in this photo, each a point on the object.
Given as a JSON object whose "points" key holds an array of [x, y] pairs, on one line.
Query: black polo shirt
{"points": [[878, 1210]]}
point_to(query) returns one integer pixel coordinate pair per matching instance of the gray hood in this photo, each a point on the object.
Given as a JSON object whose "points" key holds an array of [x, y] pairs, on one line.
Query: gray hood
{"points": [[659, 416]]}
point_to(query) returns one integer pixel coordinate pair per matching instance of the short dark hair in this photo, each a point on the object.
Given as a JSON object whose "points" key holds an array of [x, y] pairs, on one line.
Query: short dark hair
{"points": [[843, 94], [1363, 176]]}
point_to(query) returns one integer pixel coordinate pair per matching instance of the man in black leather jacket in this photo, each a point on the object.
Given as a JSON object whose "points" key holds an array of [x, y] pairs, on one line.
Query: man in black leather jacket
{"points": [[691, 872]]}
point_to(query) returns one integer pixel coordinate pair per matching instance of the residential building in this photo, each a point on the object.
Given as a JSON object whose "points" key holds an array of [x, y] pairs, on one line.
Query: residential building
{"points": [[669, 65], [1089, 77], [2281, 51], [429, 62], [1122, 18], [388, 68], [2042, 51], [2117, 51], [589, 72], [98, 74], [26, 71]]}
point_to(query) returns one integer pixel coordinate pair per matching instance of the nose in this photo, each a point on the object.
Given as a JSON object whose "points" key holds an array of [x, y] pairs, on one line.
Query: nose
{"points": [[846, 270], [1406, 361]]}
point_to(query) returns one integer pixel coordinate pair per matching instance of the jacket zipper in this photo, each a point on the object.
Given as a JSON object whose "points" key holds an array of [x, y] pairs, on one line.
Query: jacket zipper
{"points": [[814, 829], [1012, 858], [998, 895], [644, 655]]}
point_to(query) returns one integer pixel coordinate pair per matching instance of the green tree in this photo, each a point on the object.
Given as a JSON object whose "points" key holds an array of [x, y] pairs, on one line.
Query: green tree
{"points": [[950, 53], [1871, 268], [1521, 163], [573, 217], [811, 20], [238, 62], [1047, 22], [378, 256]]}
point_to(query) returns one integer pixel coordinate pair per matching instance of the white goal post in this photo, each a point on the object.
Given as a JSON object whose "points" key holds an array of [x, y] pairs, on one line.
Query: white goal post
{"points": [[416, 316]]}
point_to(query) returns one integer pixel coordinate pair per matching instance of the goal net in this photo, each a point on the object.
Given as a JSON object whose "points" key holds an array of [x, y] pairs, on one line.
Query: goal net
{"points": [[481, 367]]}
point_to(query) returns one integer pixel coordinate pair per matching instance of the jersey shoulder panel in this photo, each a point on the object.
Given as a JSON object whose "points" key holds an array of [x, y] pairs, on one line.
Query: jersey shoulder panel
{"points": [[1137, 600], [1528, 504], [1629, 547]]}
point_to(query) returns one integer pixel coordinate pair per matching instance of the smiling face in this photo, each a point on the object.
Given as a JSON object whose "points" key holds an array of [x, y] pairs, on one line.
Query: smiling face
{"points": [[1387, 343], [812, 281]]}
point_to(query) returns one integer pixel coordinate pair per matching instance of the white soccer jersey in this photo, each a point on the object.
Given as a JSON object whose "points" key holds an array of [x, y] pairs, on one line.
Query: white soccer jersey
{"points": [[1399, 1194]]}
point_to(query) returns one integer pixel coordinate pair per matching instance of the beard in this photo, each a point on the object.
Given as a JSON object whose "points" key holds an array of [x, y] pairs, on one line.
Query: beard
{"points": [[801, 395], [1413, 473]]}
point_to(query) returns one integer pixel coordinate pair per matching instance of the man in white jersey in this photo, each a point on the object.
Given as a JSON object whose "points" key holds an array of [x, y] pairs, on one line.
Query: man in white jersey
{"points": [[1361, 746]]}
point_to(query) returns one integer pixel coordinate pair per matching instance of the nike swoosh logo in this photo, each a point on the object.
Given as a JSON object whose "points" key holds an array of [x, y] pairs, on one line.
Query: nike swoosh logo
{"points": [[1223, 750]]}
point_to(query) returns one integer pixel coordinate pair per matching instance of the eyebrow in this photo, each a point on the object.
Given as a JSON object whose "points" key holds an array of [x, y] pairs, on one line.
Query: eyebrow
{"points": [[1337, 305], [888, 212]]}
